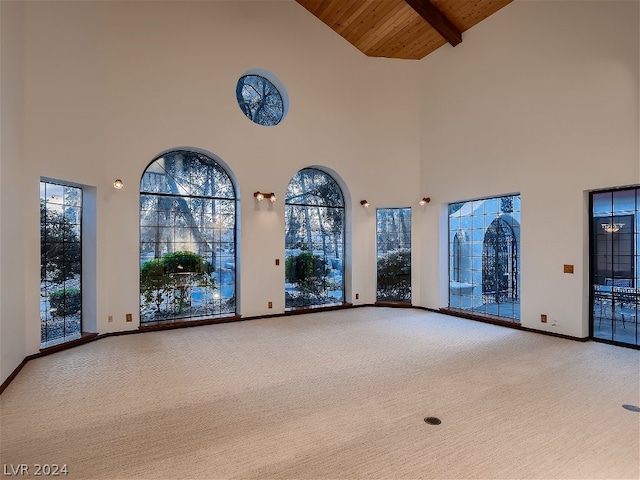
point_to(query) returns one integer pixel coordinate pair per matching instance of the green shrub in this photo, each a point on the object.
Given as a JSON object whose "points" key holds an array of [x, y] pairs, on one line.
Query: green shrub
{"points": [[184, 261], [169, 279], [394, 275], [65, 302], [307, 271], [155, 284], [152, 268]]}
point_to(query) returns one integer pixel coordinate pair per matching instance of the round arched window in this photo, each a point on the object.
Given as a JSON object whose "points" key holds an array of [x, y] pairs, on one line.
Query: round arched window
{"points": [[314, 241], [187, 238], [260, 99]]}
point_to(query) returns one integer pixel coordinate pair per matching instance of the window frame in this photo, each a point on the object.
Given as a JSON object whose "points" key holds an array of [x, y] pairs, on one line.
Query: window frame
{"points": [[399, 246], [609, 301], [290, 301], [45, 339], [192, 283], [275, 88], [465, 293]]}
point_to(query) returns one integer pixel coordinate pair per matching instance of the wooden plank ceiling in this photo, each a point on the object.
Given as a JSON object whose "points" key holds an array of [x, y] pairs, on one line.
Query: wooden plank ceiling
{"points": [[409, 29]]}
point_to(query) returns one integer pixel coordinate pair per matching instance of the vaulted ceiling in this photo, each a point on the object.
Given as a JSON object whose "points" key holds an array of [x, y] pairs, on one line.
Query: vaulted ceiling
{"points": [[409, 29]]}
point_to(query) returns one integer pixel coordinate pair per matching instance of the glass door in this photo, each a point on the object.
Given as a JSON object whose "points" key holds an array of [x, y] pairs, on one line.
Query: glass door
{"points": [[614, 265]]}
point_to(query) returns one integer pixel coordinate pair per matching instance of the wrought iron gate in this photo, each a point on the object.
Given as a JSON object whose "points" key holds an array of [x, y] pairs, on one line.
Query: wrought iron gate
{"points": [[499, 263]]}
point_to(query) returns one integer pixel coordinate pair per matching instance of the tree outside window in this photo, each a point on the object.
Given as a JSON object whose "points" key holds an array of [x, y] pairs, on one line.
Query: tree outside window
{"points": [[187, 239], [60, 263]]}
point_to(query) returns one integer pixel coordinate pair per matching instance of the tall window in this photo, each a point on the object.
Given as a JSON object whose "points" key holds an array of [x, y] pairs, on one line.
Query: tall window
{"points": [[615, 240], [314, 241], [187, 239], [484, 257], [394, 254], [60, 263]]}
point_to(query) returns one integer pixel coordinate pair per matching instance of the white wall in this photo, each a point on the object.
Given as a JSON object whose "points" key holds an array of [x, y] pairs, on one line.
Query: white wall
{"points": [[541, 99], [110, 85], [533, 101], [12, 312]]}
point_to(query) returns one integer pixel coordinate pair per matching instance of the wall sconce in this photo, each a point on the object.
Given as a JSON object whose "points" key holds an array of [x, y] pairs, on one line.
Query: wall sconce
{"points": [[261, 196], [364, 203], [118, 184], [424, 200]]}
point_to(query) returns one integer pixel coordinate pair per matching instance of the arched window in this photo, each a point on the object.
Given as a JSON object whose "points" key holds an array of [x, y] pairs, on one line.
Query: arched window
{"points": [[459, 257], [187, 239], [499, 263], [314, 241]]}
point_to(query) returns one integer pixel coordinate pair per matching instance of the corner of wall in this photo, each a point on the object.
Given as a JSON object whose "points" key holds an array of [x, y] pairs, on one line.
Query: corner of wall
{"points": [[12, 329]]}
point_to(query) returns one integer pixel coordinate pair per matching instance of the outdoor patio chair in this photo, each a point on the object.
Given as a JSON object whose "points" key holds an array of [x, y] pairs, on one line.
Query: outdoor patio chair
{"points": [[602, 300], [626, 300]]}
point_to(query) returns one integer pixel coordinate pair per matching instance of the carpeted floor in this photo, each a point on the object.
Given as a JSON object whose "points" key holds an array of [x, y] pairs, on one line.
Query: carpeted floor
{"points": [[329, 395]]}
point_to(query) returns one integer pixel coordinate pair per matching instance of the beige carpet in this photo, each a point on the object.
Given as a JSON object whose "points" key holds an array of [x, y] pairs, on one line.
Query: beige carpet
{"points": [[329, 395]]}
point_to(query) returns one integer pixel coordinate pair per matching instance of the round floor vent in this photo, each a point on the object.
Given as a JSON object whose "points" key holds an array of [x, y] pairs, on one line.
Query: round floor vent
{"points": [[631, 408]]}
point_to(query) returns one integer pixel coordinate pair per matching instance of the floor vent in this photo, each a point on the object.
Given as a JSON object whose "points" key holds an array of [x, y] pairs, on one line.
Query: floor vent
{"points": [[631, 408]]}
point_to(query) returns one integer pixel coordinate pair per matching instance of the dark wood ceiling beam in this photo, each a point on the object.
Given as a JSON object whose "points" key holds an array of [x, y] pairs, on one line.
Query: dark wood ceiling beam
{"points": [[437, 20]]}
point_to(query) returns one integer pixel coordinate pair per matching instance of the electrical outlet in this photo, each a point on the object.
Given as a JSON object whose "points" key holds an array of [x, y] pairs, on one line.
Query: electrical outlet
{"points": [[277, 262], [270, 304], [110, 318], [129, 317], [357, 296], [543, 318]]}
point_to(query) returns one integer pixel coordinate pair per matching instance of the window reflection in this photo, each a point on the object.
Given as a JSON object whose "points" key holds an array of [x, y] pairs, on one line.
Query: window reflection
{"points": [[484, 257], [614, 266]]}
